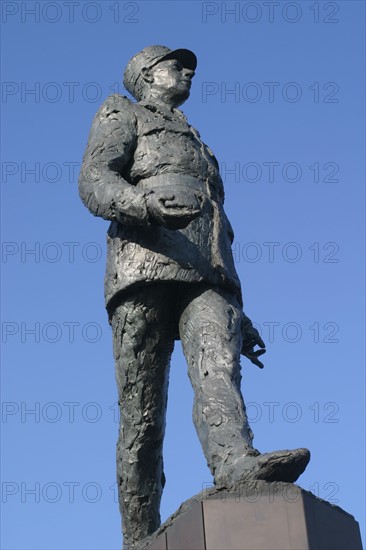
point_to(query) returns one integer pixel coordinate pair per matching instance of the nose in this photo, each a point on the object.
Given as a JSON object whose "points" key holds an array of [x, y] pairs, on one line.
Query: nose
{"points": [[188, 72]]}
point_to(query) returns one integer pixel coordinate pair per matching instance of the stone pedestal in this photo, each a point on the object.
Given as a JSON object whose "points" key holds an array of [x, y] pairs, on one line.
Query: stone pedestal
{"points": [[259, 516]]}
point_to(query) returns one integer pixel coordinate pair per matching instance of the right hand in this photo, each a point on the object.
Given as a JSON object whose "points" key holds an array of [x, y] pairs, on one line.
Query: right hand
{"points": [[174, 208]]}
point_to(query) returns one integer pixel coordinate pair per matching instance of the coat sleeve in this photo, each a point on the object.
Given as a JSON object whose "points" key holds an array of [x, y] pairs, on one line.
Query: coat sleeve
{"points": [[110, 148]]}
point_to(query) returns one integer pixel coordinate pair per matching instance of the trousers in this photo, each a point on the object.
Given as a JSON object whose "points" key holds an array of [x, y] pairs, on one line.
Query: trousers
{"points": [[208, 321]]}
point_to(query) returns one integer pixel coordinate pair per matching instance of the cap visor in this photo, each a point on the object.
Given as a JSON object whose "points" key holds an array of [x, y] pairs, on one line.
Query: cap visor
{"points": [[186, 57]]}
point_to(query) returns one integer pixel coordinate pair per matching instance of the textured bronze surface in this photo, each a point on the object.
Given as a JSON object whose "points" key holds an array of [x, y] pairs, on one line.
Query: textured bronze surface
{"points": [[170, 275]]}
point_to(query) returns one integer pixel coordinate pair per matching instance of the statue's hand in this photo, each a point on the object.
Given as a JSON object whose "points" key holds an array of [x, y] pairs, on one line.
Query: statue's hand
{"points": [[251, 338], [174, 208]]}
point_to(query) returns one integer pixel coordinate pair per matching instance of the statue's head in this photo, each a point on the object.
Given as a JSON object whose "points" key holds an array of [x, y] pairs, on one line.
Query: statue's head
{"points": [[159, 73]]}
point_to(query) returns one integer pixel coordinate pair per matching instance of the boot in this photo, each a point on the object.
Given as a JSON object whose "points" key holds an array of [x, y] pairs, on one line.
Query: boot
{"points": [[284, 466]]}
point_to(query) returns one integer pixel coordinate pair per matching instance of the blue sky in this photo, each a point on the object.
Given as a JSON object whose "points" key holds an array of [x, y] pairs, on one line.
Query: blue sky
{"points": [[278, 96]]}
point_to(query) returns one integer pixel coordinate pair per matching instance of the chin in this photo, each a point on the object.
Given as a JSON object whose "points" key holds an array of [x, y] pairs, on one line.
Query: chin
{"points": [[181, 98]]}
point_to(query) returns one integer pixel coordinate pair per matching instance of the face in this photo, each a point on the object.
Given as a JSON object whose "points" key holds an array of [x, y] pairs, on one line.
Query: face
{"points": [[171, 82]]}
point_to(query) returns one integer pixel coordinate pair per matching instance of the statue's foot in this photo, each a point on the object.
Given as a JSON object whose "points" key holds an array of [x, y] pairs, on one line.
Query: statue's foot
{"points": [[276, 466]]}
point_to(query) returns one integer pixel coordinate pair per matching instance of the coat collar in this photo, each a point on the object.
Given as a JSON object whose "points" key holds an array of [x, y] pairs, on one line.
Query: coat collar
{"points": [[163, 109]]}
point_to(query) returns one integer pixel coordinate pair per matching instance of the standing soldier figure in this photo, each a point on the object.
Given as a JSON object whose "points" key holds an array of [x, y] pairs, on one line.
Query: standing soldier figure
{"points": [[170, 276]]}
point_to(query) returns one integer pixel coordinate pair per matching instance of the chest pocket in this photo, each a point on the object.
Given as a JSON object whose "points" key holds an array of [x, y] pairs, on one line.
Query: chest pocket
{"points": [[157, 126]]}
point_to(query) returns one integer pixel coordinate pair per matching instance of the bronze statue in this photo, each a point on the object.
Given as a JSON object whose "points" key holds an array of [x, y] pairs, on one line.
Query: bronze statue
{"points": [[170, 275]]}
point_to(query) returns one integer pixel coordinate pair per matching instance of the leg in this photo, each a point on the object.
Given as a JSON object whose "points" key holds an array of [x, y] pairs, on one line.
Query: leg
{"points": [[210, 330], [143, 344]]}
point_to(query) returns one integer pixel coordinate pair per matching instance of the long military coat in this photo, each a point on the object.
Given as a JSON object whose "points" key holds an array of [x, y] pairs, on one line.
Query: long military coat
{"points": [[134, 148]]}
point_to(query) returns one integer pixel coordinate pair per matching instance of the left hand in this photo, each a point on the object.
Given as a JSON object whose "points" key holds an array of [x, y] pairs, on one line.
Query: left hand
{"points": [[251, 338]]}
